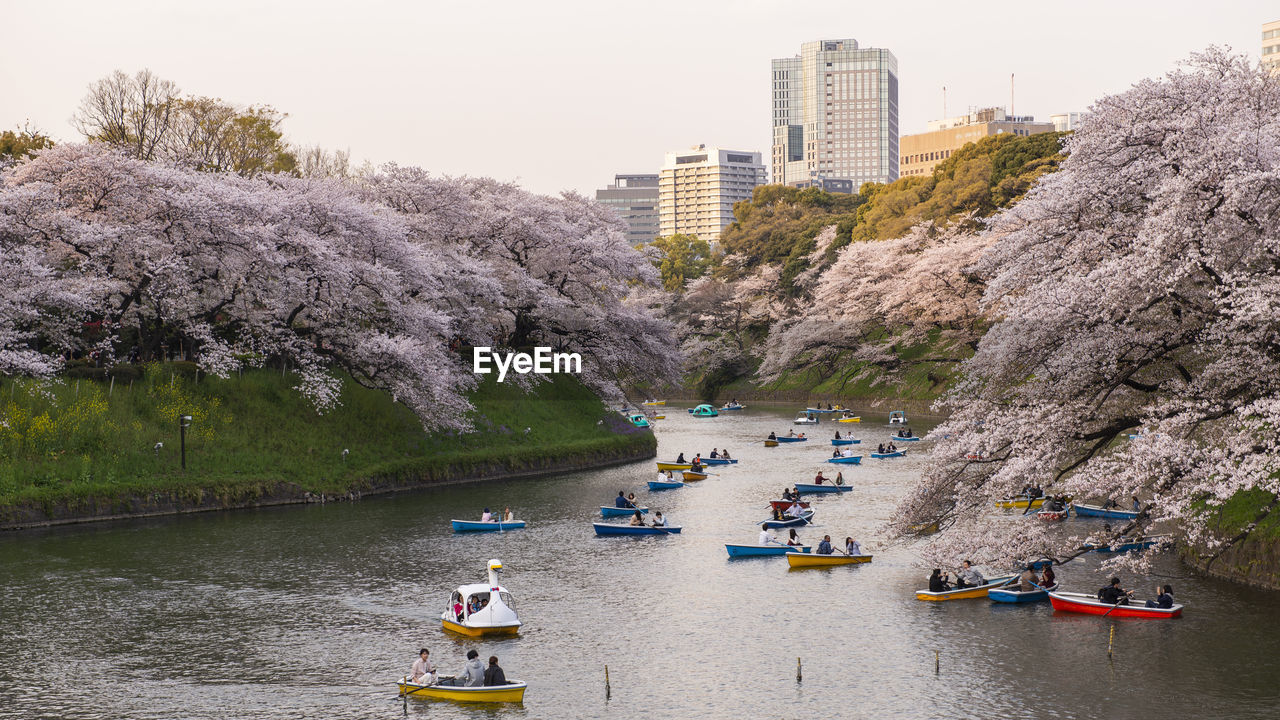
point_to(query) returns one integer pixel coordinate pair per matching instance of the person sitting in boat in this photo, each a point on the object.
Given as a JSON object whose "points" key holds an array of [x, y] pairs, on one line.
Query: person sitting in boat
{"points": [[852, 547], [1111, 504], [938, 582], [777, 514], [839, 478], [487, 516], [773, 436], [824, 547], [622, 502], [880, 449], [893, 448], [791, 433], [637, 519], [969, 576], [1137, 506], [507, 515], [663, 476], [493, 674], [1164, 598], [846, 453], [1113, 594], [631, 498], [697, 465], [819, 479], [724, 454], [786, 494], [837, 434], [1048, 578], [799, 436], [713, 454], [680, 459], [796, 510], [670, 477], [473, 605], [658, 520], [793, 539], [1035, 491], [1027, 581], [835, 453], [458, 611], [766, 537], [423, 672], [472, 674]]}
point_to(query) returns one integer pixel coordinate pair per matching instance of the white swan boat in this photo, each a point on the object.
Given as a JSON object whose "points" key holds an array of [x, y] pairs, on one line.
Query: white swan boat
{"points": [[482, 609]]}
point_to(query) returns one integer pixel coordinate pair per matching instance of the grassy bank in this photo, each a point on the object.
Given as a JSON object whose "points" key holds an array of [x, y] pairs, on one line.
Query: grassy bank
{"points": [[78, 442], [919, 373], [1254, 560]]}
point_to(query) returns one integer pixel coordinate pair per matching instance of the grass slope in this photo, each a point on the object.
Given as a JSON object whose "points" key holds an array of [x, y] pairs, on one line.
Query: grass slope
{"points": [[77, 439]]}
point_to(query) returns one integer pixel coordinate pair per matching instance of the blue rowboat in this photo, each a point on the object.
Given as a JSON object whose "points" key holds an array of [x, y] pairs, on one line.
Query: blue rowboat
{"points": [[763, 550], [845, 441], [655, 485], [733, 407], [805, 518], [851, 460], [611, 529], [783, 438], [820, 410], [898, 453], [1129, 546], [1101, 512], [1012, 594], [609, 511], [478, 526], [913, 438], [719, 461], [810, 488]]}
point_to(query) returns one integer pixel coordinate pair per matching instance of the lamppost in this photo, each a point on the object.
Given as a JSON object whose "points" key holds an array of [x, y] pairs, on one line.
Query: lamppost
{"points": [[184, 422]]}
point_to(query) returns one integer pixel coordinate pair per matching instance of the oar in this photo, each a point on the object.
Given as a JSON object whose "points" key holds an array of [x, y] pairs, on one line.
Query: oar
{"points": [[1113, 607]]}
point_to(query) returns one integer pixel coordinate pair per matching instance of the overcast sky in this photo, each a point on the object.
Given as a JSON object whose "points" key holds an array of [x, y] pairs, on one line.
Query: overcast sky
{"points": [[564, 94]]}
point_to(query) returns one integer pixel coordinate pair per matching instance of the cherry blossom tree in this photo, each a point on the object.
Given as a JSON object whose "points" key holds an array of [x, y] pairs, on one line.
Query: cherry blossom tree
{"points": [[1135, 294]]}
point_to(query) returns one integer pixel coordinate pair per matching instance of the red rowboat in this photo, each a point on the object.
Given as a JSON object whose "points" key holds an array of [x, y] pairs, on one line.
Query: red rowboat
{"points": [[1091, 605], [1052, 515], [784, 504]]}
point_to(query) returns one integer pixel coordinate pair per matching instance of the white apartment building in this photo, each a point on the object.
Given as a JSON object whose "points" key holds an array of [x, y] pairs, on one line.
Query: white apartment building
{"points": [[698, 187], [835, 114]]}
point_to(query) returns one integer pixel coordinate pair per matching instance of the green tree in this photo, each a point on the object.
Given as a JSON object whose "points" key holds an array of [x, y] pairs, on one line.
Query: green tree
{"points": [[22, 144], [684, 258]]}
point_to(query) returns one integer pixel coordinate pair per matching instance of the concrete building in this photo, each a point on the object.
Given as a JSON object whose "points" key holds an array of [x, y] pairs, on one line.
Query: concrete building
{"points": [[921, 152], [698, 187], [1271, 45], [635, 197], [835, 114], [1065, 122]]}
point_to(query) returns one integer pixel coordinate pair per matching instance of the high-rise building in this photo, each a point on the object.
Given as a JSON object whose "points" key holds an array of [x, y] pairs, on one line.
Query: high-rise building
{"points": [[698, 187], [635, 197], [1271, 46], [835, 114], [922, 151]]}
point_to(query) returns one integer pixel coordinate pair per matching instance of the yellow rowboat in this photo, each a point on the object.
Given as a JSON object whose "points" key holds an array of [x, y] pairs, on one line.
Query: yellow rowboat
{"points": [[659, 417], [1020, 503], [691, 475], [802, 560], [771, 443], [511, 692], [966, 593], [850, 419], [674, 466], [655, 402]]}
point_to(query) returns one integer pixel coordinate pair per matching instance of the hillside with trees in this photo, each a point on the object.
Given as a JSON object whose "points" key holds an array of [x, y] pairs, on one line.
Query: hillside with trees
{"points": [[854, 295]]}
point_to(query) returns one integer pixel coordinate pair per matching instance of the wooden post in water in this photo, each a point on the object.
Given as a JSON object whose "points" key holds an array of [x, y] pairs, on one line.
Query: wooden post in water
{"points": [[607, 690], [937, 662], [799, 675], [1111, 641]]}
